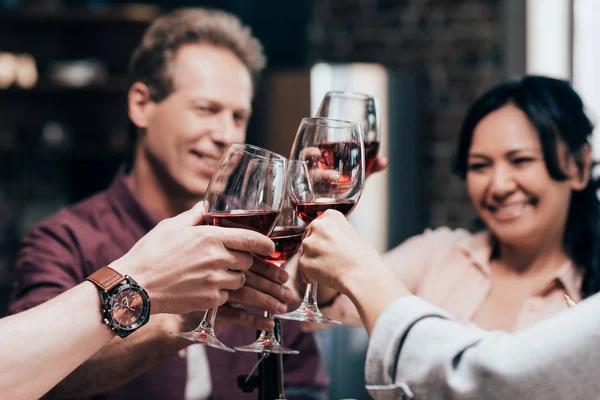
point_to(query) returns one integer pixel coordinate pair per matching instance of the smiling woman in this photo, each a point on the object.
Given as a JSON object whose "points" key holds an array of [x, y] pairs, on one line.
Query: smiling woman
{"points": [[536, 135], [524, 154], [509, 184]]}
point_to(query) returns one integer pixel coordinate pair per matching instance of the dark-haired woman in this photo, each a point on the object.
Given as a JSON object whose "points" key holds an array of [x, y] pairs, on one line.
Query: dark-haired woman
{"points": [[525, 156]]}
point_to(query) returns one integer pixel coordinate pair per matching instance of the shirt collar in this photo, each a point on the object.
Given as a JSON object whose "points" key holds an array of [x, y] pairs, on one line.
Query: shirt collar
{"points": [[570, 278], [124, 201], [478, 247]]}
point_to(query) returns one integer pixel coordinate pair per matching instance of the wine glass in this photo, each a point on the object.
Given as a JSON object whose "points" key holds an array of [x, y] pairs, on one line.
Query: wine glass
{"points": [[287, 236], [246, 191], [359, 108], [330, 175]]}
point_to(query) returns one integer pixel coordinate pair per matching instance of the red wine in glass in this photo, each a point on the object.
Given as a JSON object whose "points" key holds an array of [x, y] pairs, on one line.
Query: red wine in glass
{"points": [[340, 156], [246, 191], [325, 171], [259, 221], [360, 108], [309, 211], [333, 152], [371, 151], [287, 241]]}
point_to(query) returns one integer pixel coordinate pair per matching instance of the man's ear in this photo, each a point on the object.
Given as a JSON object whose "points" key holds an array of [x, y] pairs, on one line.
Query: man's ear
{"points": [[139, 104], [581, 168]]}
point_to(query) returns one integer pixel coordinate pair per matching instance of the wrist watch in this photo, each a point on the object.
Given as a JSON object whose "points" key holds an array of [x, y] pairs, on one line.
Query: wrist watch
{"points": [[125, 304]]}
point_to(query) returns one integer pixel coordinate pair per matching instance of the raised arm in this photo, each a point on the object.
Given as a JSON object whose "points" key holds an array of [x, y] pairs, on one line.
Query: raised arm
{"points": [[408, 262], [183, 267], [419, 350], [41, 346]]}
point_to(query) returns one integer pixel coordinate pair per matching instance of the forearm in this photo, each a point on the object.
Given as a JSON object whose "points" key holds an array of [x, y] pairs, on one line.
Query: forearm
{"points": [[372, 292], [43, 345], [122, 360]]}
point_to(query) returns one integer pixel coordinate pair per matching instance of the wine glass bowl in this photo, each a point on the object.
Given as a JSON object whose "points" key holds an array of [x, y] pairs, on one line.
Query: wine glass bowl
{"points": [[360, 108], [287, 237], [326, 171], [246, 191]]}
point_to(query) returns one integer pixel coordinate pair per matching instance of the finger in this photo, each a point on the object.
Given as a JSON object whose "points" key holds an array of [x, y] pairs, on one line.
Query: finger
{"points": [[306, 280], [244, 318], [241, 261], [233, 280], [269, 271], [191, 217], [380, 164], [320, 175], [223, 297], [329, 216], [310, 154], [251, 297], [280, 292], [246, 240]]}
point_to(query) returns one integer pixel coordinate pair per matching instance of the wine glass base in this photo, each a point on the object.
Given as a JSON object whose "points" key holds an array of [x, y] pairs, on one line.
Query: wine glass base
{"points": [[204, 337], [306, 313], [266, 346]]}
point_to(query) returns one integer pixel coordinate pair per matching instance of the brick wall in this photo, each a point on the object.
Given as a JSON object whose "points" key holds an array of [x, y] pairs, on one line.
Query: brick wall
{"points": [[459, 45]]}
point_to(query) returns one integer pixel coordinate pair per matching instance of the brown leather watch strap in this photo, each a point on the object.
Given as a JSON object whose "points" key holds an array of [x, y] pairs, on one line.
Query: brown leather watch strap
{"points": [[106, 278]]}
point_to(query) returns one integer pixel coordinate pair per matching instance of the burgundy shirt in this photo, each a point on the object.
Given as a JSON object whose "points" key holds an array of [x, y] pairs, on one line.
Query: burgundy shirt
{"points": [[67, 247]]}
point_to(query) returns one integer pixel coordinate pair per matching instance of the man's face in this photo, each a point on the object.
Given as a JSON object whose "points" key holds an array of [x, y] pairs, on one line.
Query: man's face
{"points": [[208, 109]]}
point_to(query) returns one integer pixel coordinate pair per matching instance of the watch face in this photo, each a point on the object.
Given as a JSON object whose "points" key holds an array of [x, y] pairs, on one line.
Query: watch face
{"points": [[127, 307]]}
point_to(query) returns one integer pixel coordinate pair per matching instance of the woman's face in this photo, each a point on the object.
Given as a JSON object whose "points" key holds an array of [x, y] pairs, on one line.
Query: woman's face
{"points": [[508, 182]]}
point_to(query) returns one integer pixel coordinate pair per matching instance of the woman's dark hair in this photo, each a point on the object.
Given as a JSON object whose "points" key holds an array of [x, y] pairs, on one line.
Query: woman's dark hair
{"points": [[558, 114]]}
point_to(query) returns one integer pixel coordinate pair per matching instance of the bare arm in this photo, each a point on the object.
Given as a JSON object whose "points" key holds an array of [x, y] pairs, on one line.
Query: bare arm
{"points": [[34, 354], [121, 360], [196, 268], [407, 263]]}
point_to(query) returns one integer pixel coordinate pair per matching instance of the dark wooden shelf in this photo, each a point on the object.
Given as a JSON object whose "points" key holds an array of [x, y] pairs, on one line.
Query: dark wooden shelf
{"points": [[117, 85], [115, 14], [70, 154]]}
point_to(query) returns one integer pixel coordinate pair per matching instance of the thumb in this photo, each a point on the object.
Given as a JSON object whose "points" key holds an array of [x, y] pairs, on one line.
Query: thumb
{"points": [[380, 164], [306, 280], [193, 216]]}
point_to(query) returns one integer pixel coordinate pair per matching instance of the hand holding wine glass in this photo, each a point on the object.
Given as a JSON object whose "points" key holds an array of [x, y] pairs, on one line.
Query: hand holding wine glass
{"points": [[364, 110], [334, 254], [246, 191], [328, 174], [199, 273], [332, 251], [287, 237]]}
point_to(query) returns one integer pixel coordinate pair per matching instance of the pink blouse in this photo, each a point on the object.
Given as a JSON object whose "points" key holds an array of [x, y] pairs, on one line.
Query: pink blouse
{"points": [[451, 269]]}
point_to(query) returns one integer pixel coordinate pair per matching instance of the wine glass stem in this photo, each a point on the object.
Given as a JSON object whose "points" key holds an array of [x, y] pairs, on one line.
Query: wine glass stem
{"points": [[310, 295], [208, 322], [268, 335]]}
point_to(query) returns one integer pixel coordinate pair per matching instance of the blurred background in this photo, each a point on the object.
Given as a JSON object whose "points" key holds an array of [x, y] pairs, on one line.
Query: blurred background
{"points": [[63, 84]]}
